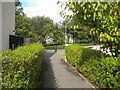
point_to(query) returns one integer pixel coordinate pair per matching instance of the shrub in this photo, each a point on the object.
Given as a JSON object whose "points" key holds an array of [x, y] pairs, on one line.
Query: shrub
{"points": [[105, 71], [77, 54], [102, 70], [55, 46], [21, 67]]}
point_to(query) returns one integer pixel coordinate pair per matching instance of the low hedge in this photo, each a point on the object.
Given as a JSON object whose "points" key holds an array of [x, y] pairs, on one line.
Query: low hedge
{"points": [[55, 46], [104, 71], [77, 55], [21, 67]]}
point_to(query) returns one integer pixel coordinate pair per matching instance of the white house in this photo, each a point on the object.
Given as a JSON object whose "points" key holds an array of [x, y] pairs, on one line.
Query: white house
{"points": [[7, 22]]}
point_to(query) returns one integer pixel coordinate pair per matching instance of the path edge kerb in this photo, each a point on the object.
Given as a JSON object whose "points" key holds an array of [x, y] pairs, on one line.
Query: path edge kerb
{"points": [[79, 73]]}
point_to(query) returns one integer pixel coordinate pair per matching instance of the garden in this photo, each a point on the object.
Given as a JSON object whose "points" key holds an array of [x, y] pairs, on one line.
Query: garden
{"points": [[91, 23]]}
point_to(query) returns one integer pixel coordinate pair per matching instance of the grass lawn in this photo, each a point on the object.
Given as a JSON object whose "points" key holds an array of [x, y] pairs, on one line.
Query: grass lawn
{"points": [[63, 56]]}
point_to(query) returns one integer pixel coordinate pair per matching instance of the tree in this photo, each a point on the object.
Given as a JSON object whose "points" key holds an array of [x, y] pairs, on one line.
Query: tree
{"points": [[22, 24], [40, 28], [58, 34], [79, 33], [43, 26], [103, 19]]}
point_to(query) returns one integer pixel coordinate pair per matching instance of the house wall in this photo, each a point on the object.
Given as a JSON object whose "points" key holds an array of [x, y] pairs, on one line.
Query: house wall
{"points": [[0, 26], [8, 23]]}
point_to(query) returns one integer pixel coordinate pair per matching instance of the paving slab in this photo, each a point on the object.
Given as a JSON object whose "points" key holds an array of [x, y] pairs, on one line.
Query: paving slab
{"points": [[58, 74]]}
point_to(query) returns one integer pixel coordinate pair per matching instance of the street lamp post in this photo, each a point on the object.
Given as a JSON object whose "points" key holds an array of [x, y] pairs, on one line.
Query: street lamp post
{"points": [[65, 35]]}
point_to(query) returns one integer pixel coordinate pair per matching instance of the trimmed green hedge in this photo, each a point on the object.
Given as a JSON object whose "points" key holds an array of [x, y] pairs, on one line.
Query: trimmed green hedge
{"points": [[21, 67], [104, 71], [77, 55], [54, 47]]}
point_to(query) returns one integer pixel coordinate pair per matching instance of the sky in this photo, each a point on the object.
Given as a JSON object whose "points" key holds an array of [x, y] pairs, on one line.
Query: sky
{"points": [[48, 8]]}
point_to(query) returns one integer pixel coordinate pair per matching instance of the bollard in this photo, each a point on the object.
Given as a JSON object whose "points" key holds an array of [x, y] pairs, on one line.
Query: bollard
{"points": [[56, 48]]}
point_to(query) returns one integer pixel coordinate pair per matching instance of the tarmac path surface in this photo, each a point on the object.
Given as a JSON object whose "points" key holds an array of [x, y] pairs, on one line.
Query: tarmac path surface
{"points": [[58, 74]]}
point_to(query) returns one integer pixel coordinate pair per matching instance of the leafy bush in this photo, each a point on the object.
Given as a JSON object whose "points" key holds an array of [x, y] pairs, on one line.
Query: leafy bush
{"points": [[105, 71], [77, 54], [54, 47], [21, 67], [86, 44]]}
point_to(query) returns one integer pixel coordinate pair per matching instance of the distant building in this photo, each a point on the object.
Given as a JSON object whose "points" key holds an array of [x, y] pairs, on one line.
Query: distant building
{"points": [[49, 40], [68, 39], [7, 22]]}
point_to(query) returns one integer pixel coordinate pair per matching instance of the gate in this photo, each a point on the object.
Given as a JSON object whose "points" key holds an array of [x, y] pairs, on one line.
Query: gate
{"points": [[15, 41]]}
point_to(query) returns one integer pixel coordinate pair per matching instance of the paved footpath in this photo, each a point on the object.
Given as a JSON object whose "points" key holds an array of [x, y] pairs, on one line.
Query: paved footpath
{"points": [[58, 74]]}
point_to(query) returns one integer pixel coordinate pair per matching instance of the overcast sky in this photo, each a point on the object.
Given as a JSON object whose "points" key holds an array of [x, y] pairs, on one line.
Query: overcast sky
{"points": [[48, 8]]}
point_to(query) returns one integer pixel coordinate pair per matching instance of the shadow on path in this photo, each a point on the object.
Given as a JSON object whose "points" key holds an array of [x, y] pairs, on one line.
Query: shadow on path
{"points": [[48, 77], [56, 73]]}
